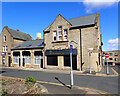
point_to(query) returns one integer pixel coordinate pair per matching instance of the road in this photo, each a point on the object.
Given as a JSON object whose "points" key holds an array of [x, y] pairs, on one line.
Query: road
{"points": [[108, 84]]}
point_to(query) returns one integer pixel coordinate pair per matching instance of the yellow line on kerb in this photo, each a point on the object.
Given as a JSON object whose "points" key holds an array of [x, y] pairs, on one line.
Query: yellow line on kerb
{"points": [[115, 72], [83, 88]]}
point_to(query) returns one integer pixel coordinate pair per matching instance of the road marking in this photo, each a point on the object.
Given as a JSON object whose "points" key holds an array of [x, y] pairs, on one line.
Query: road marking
{"points": [[115, 72], [83, 88]]}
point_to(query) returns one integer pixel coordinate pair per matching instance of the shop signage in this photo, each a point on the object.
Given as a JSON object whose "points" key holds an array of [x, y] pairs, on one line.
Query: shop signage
{"points": [[3, 54], [60, 52], [9, 53]]}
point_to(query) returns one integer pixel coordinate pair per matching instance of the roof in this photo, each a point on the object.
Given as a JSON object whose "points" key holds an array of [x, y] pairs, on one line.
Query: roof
{"points": [[81, 21], [33, 44], [19, 35]]}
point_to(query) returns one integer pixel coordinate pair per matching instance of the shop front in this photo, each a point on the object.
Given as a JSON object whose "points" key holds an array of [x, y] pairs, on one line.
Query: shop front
{"points": [[61, 58]]}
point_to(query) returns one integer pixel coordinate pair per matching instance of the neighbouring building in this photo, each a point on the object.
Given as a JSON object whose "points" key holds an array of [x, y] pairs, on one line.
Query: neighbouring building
{"points": [[8, 39], [85, 31], [114, 57]]}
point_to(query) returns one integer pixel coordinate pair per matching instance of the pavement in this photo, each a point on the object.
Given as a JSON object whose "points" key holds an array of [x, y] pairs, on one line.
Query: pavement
{"points": [[94, 84]]}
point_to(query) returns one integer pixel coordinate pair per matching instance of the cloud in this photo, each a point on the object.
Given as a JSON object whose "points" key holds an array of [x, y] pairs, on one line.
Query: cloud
{"points": [[97, 4], [113, 44]]}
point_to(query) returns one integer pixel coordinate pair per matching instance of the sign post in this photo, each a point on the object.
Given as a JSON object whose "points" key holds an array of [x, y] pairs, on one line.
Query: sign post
{"points": [[71, 72], [106, 56], [90, 49]]}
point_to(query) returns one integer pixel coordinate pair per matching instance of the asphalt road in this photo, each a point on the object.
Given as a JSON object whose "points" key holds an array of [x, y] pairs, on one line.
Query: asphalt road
{"points": [[108, 84]]}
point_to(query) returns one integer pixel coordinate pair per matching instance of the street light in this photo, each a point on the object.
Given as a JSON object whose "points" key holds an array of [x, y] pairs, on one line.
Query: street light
{"points": [[90, 49], [71, 72]]}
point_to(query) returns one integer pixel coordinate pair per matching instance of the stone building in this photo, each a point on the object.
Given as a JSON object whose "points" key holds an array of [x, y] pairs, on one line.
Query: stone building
{"points": [[8, 39], [85, 31], [114, 57]]}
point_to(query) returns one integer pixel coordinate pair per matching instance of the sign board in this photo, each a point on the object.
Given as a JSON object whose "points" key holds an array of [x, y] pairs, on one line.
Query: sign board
{"points": [[60, 52], [3, 54], [71, 48], [9, 53], [106, 55]]}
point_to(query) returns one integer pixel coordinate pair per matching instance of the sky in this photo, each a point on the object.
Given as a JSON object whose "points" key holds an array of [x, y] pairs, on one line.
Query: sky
{"points": [[34, 17]]}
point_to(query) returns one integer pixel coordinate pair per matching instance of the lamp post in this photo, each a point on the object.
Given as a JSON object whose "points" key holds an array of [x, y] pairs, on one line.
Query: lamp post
{"points": [[90, 49], [71, 72]]}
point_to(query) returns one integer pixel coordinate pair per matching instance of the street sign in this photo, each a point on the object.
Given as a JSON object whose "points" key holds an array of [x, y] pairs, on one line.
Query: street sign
{"points": [[106, 55], [71, 48]]}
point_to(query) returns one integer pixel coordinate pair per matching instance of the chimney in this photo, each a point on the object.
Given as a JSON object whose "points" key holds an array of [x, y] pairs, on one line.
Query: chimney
{"points": [[18, 30], [38, 36]]}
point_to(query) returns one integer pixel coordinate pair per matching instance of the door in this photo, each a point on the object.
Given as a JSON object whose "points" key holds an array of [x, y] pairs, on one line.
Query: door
{"points": [[41, 61], [67, 61], [9, 61]]}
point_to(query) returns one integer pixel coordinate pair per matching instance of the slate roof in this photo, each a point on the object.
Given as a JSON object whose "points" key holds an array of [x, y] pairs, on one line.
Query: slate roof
{"points": [[19, 35], [33, 44], [81, 21]]}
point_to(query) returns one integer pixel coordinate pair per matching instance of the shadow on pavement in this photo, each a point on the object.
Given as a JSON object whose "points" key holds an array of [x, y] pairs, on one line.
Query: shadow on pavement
{"points": [[62, 82]]}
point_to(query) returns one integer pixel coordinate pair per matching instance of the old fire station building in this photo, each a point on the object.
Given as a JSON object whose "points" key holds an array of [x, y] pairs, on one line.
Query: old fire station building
{"points": [[20, 50], [85, 31]]}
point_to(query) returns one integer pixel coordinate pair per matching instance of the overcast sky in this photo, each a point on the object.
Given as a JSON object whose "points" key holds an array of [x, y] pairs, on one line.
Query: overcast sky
{"points": [[34, 17]]}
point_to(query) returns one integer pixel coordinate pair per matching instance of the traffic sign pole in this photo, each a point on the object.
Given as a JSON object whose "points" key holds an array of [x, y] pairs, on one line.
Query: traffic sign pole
{"points": [[71, 72], [107, 55]]}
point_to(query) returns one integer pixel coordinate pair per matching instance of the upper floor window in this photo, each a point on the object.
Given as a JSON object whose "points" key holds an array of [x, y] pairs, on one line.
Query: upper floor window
{"points": [[3, 48], [59, 33], [4, 38], [54, 35], [116, 59], [110, 54], [6, 48], [116, 54], [110, 59], [65, 34]]}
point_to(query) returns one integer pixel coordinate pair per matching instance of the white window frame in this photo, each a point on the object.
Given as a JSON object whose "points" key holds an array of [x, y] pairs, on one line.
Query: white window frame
{"points": [[16, 59], [6, 48], [59, 35], [115, 54], [116, 59], [37, 60], [27, 60], [54, 35], [65, 35], [3, 48], [4, 38]]}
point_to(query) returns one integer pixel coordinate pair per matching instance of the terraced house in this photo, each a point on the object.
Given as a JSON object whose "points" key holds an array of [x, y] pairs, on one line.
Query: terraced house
{"points": [[8, 39], [85, 31]]}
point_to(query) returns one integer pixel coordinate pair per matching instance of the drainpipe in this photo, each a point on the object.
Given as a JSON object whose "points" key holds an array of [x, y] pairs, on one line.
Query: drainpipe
{"points": [[81, 48]]}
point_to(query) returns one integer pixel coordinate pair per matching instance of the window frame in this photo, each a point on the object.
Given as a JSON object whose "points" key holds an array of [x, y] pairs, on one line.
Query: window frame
{"points": [[5, 38], [60, 35], [54, 35], [65, 34], [115, 53]]}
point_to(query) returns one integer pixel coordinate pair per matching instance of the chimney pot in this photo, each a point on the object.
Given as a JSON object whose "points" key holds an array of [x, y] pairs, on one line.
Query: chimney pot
{"points": [[18, 30]]}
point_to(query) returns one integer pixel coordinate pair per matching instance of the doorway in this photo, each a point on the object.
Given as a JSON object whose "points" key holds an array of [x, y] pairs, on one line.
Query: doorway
{"points": [[9, 61]]}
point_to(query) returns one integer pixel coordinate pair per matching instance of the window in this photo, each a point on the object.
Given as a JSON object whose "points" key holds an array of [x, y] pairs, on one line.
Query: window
{"points": [[116, 59], [110, 54], [37, 60], [4, 38], [59, 33], [27, 59], [6, 48], [110, 59], [3, 59], [3, 48], [15, 59], [65, 34], [116, 54], [54, 35]]}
